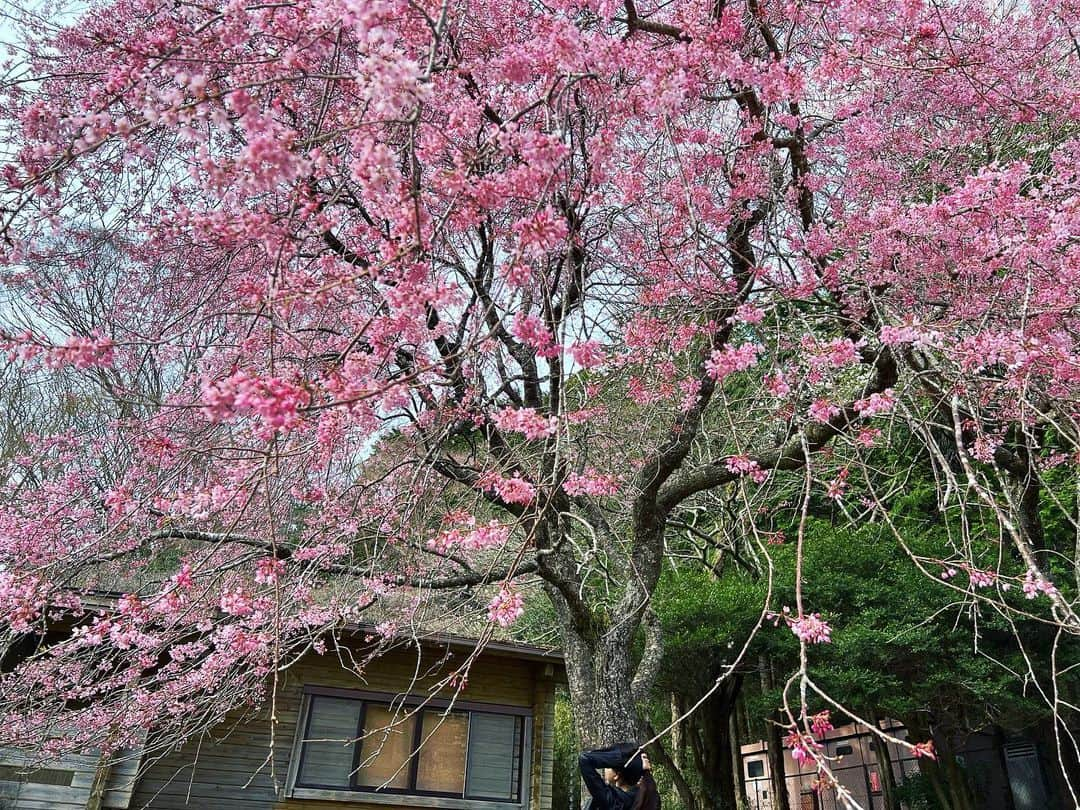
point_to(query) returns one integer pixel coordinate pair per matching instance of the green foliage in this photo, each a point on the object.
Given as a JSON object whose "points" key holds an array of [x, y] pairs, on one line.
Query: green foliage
{"points": [[566, 783], [902, 641], [915, 793]]}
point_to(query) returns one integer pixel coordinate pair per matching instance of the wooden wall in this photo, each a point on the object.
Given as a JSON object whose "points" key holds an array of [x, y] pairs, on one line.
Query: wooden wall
{"points": [[244, 764], [27, 791]]}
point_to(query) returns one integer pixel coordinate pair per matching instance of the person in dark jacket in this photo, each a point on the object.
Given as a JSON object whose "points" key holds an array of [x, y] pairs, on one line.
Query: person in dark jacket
{"points": [[629, 784]]}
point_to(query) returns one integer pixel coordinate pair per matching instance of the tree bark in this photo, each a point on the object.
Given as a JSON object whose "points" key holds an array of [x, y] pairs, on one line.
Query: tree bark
{"points": [[777, 772], [960, 791], [919, 731], [727, 749], [682, 787], [885, 769], [735, 730], [599, 671], [678, 735], [774, 739]]}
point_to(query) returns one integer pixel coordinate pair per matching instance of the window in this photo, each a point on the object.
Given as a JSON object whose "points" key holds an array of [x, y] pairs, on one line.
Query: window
{"points": [[755, 769], [361, 744], [843, 750]]}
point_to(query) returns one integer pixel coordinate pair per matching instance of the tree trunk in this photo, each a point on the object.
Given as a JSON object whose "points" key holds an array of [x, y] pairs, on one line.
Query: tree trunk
{"points": [[715, 754], [774, 739], [660, 755], [919, 731], [721, 707], [734, 727], [777, 772], [960, 792], [599, 672], [678, 733], [885, 769]]}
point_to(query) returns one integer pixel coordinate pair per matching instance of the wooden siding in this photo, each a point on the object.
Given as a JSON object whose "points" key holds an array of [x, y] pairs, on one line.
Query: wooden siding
{"points": [[244, 764], [30, 795], [543, 771]]}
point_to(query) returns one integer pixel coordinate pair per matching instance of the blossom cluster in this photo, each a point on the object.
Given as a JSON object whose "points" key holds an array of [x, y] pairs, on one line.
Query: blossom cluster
{"points": [[276, 401], [809, 628], [590, 482], [525, 421], [731, 359], [506, 607]]}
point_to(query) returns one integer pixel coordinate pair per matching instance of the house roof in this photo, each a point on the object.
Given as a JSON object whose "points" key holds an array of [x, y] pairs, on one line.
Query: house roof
{"points": [[513, 649]]}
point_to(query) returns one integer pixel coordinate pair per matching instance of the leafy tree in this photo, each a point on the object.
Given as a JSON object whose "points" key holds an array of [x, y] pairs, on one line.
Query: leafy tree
{"points": [[447, 296]]}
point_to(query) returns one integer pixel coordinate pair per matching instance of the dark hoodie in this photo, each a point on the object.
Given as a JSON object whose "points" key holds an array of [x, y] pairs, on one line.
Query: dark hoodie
{"points": [[602, 795]]}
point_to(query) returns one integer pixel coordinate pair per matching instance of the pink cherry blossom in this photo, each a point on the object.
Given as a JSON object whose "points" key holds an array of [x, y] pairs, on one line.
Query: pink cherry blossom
{"points": [[729, 360], [1035, 584], [505, 607], [525, 421], [812, 629], [590, 482], [820, 724], [821, 410], [744, 465]]}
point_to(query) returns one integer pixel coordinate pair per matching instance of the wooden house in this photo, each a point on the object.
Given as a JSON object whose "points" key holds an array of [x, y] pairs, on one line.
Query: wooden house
{"points": [[406, 733]]}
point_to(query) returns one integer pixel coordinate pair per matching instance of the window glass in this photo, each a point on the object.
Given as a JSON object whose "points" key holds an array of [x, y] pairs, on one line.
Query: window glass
{"points": [[755, 769], [353, 744], [385, 749], [442, 754], [329, 742], [843, 750]]}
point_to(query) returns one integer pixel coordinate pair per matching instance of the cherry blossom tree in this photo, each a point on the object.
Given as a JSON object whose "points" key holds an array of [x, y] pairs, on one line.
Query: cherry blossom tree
{"points": [[393, 297]]}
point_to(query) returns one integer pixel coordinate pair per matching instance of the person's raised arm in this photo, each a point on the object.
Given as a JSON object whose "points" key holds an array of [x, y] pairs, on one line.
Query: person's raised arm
{"points": [[589, 762]]}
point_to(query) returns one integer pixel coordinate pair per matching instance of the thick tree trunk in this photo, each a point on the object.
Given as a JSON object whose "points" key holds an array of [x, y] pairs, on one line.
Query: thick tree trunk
{"points": [[599, 672], [919, 731], [960, 792], [716, 755], [660, 755], [947, 779]]}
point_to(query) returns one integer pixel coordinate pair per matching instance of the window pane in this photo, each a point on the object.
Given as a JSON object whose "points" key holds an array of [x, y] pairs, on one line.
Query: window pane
{"points": [[327, 757], [494, 756], [384, 752], [755, 769], [442, 755]]}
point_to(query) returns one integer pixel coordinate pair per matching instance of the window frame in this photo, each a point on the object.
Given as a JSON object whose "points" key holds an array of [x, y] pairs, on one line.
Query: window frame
{"points": [[419, 798]]}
